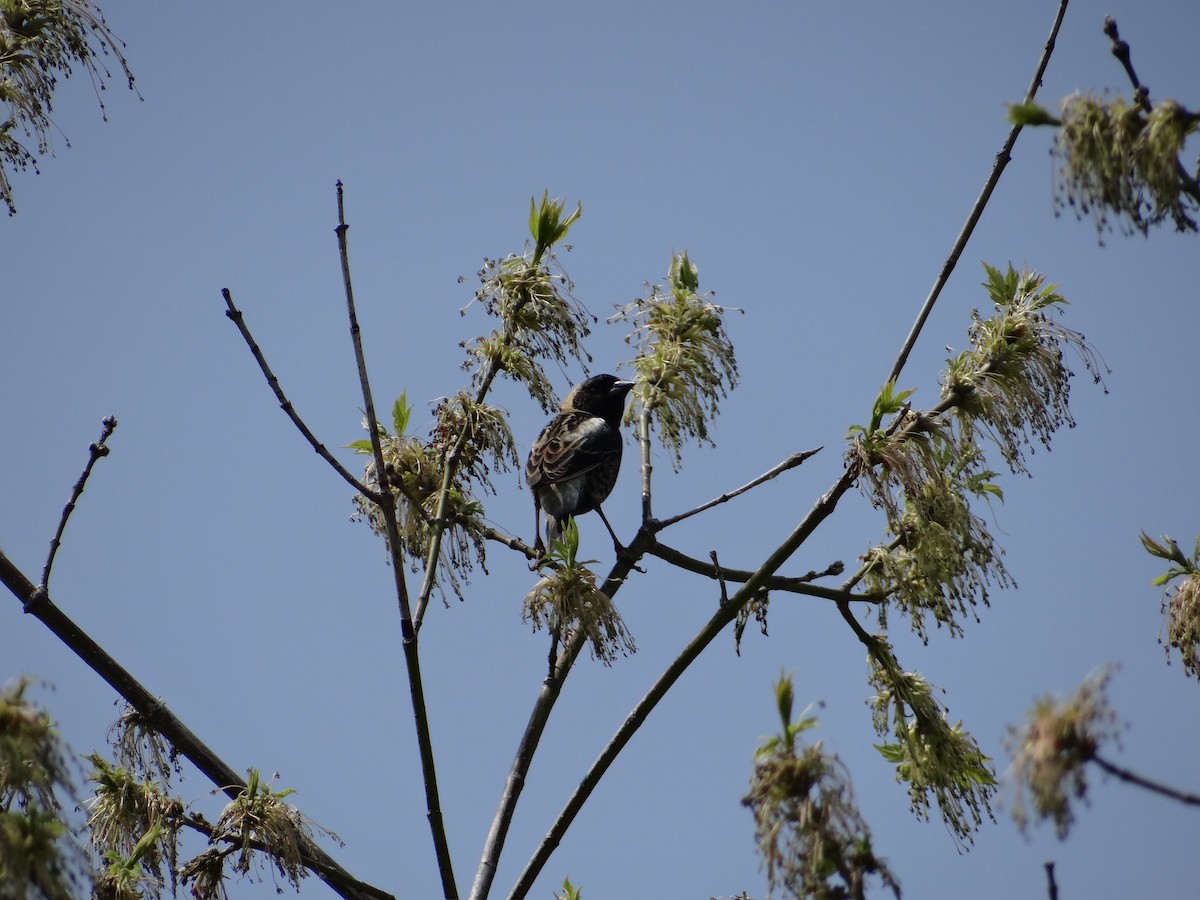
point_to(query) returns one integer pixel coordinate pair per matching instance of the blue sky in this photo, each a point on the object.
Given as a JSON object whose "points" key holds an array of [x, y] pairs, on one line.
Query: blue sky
{"points": [[816, 161]]}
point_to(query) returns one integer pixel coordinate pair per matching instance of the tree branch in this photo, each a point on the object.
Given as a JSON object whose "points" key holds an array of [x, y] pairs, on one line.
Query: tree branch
{"points": [[793, 584], [1002, 160], [1120, 49], [1141, 96], [37, 603], [386, 501], [235, 315], [1154, 786], [1051, 883], [96, 450], [790, 463]]}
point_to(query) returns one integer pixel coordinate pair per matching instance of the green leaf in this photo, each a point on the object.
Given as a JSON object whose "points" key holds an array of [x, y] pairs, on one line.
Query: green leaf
{"points": [[784, 697], [684, 274], [360, 446], [401, 410], [546, 223], [894, 753], [1031, 114], [887, 403]]}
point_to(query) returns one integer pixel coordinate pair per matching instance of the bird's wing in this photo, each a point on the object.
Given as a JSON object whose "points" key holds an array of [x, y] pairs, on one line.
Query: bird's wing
{"points": [[572, 444]]}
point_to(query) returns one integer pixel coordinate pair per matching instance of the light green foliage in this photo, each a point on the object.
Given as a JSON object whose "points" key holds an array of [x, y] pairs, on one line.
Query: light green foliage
{"points": [[1050, 752], [133, 825], [37, 855], [548, 225], [540, 319], [1031, 114], [569, 891], [40, 42], [810, 834], [1117, 160], [1013, 383], [259, 828], [416, 471], [1009, 388], [567, 600], [437, 482], [140, 748], [941, 558], [938, 761], [685, 363], [1180, 604]]}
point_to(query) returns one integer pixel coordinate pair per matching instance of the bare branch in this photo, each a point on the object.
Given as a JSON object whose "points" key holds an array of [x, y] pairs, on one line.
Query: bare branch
{"points": [[1141, 95], [1051, 883], [1002, 160], [1133, 778], [790, 463], [791, 584], [387, 506], [1120, 49], [235, 315], [96, 450], [512, 543], [37, 603], [720, 577]]}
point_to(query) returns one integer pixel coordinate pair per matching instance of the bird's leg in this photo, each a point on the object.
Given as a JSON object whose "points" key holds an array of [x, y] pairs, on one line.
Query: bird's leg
{"points": [[538, 547], [621, 549]]}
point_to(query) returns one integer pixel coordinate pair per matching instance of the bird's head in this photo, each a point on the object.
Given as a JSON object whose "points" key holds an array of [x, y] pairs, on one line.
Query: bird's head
{"points": [[600, 395]]}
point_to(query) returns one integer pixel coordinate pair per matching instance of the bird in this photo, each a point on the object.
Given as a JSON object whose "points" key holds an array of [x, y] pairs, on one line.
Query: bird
{"points": [[574, 462]]}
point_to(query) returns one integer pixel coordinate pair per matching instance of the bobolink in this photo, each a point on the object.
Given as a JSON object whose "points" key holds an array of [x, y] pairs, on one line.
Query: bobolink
{"points": [[575, 461]]}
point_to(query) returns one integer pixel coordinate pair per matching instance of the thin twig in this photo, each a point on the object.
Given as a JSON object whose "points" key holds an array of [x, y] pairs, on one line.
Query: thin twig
{"points": [[790, 463], [720, 577], [1141, 96], [1120, 49], [96, 450], [792, 584], [1133, 778], [647, 468], [512, 543], [1051, 883], [38, 604], [387, 506], [1002, 160], [235, 316]]}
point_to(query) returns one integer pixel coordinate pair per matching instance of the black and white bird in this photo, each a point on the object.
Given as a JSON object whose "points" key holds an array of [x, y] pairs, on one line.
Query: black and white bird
{"points": [[575, 461]]}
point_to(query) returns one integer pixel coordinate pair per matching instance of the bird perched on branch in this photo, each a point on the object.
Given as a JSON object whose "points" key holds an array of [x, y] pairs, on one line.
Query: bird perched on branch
{"points": [[575, 461]]}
